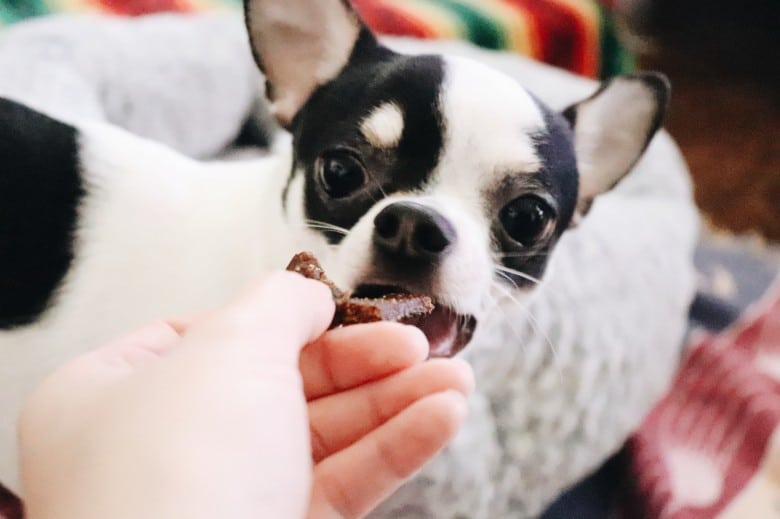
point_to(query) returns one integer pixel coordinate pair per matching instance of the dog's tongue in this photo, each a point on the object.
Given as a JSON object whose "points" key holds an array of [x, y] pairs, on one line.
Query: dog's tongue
{"points": [[447, 332]]}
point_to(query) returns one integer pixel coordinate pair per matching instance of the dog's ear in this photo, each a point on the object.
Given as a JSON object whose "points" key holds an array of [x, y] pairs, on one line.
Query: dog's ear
{"points": [[300, 45], [612, 128]]}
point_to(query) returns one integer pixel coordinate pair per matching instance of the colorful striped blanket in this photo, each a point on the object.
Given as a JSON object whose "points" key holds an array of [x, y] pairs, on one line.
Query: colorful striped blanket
{"points": [[578, 35]]}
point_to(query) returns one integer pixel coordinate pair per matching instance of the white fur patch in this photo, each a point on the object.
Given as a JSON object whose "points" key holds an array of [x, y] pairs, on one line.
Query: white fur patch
{"points": [[490, 121], [384, 127]]}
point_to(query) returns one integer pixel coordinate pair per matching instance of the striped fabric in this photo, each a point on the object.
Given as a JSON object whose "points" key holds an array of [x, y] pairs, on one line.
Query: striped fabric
{"points": [[578, 35]]}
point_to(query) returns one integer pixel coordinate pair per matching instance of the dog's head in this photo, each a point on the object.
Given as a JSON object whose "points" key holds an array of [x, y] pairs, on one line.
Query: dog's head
{"points": [[430, 174]]}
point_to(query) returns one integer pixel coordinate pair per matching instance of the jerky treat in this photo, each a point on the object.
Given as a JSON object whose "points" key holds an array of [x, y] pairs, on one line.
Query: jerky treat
{"points": [[447, 331], [402, 308], [305, 264]]}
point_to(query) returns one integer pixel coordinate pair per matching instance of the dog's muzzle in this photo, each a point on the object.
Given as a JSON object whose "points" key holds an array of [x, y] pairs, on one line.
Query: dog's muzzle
{"points": [[410, 241]]}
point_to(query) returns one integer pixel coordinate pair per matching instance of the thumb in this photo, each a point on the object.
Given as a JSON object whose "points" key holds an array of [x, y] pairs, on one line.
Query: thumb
{"points": [[271, 320]]}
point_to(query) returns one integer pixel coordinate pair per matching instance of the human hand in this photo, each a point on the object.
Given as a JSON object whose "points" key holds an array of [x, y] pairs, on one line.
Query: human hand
{"points": [[207, 417]]}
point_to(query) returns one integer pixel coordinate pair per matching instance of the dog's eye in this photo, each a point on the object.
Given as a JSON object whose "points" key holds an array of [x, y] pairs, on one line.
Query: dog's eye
{"points": [[341, 174], [526, 219]]}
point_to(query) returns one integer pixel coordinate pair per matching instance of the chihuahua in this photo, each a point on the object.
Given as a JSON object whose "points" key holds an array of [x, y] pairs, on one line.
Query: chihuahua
{"points": [[423, 174]]}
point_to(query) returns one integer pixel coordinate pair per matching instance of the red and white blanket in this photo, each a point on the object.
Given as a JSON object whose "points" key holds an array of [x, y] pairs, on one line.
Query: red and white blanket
{"points": [[711, 448]]}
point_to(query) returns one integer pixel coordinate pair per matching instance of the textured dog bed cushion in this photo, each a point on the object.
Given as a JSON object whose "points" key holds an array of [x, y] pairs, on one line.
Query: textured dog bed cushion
{"points": [[577, 35]]}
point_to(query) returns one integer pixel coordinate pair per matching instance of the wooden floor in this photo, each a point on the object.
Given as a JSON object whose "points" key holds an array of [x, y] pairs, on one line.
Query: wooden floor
{"points": [[725, 111]]}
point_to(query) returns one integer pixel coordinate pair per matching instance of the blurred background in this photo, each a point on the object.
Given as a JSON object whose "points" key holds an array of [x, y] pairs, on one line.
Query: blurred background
{"points": [[723, 59]]}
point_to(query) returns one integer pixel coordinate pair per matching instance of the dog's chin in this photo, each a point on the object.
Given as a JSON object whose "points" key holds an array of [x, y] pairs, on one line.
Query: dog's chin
{"points": [[447, 331]]}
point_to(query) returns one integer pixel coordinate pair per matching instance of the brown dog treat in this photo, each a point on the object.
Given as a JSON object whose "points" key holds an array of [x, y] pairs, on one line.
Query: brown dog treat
{"points": [[402, 308], [306, 264]]}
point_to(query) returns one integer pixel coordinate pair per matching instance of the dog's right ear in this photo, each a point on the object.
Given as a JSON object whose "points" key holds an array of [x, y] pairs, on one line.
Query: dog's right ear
{"points": [[612, 128], [300, 45]]}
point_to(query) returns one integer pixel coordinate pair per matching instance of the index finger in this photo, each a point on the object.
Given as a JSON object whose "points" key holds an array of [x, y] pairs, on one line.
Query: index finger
{"points": [[354, 355], [272, 320]]}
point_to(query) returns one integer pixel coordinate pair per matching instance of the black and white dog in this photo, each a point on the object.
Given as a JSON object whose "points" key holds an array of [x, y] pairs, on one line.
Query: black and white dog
{"points": [[417, 173]]}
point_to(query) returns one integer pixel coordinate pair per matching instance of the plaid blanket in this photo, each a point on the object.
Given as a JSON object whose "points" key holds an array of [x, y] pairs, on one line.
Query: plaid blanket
{"points": [[578, 35]]}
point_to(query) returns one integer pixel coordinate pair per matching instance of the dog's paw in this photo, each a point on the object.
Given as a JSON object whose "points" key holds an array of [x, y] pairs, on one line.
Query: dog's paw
{"points": [[40, 190]]}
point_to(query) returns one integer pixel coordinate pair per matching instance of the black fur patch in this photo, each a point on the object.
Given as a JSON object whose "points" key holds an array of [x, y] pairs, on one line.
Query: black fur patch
{"points": [[556, 181], [40, 190], [559, 173], [331, 120]]}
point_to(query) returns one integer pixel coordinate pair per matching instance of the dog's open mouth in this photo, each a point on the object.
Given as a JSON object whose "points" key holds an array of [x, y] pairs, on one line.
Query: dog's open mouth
{"points": [[447, 331]]}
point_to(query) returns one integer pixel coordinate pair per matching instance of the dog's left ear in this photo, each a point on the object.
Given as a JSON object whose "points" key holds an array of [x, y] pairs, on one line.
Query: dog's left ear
{"points": [[300, 45], [612, 128]]}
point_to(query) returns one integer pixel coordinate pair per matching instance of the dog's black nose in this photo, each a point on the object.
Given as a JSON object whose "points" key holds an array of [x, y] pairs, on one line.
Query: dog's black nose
{"points": [[412, 231]]}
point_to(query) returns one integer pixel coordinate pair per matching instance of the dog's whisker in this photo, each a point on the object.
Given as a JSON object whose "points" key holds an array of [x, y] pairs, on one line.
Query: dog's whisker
{"points": [[316, 224], [524, 254], [326, 224], [539, 331], [379, 185], [534, 325], [506, 277], [506, 318], [322, 228], [514, 272]]}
